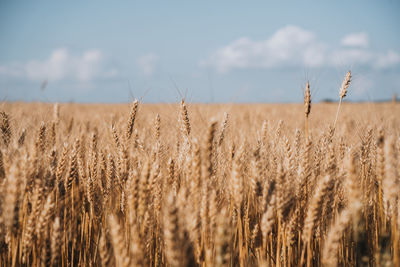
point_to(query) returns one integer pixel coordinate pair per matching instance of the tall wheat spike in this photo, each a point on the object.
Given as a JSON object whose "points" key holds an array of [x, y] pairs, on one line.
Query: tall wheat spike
{"points": [[342, 94], [307, 107]]}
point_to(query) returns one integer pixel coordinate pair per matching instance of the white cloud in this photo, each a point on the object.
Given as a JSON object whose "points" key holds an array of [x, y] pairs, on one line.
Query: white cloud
{"points": [[390, 58], [12, 70], [55, 68], [346, 57], [61, 65], [147, 64], [290, 45], [356, 40], [294, 46], [89, 65]]}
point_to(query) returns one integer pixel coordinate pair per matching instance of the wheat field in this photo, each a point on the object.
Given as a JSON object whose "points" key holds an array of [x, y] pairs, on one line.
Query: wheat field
{"points": [[199, 184]]}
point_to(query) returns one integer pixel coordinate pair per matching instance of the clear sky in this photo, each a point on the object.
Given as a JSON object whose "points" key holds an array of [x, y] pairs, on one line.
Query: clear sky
{"points": [[206, 51]]}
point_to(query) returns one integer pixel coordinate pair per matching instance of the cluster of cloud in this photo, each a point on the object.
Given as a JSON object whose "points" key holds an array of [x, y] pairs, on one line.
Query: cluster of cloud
{"points": [[84, 68], [356, 40], [294, 46], [147, 64], [62, 65]]}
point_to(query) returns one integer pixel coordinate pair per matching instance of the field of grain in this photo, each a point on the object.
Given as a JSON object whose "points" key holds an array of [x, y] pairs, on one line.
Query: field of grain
{"points": [[199, 185]]}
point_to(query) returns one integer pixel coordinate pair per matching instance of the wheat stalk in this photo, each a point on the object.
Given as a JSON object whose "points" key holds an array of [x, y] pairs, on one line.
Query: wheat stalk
{"points": [[342, 94]]}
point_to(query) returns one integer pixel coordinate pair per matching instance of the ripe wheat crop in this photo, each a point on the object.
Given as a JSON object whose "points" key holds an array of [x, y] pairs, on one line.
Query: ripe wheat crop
{"points": [[200, 185]]}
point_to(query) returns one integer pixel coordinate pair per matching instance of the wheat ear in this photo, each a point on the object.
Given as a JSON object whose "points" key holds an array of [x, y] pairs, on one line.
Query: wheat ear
{"points": [[307, 108], [342, 94]]}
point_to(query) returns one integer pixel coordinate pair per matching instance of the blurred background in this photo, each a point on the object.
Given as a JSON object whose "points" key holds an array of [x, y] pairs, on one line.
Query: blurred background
{"points": [[206, 51]]}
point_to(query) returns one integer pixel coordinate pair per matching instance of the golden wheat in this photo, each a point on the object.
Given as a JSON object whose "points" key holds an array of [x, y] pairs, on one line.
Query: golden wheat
{"points": [[194, 185]]}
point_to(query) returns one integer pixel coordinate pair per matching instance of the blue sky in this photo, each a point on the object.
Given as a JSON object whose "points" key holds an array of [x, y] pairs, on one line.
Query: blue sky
{"points": [[206, 51]]}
